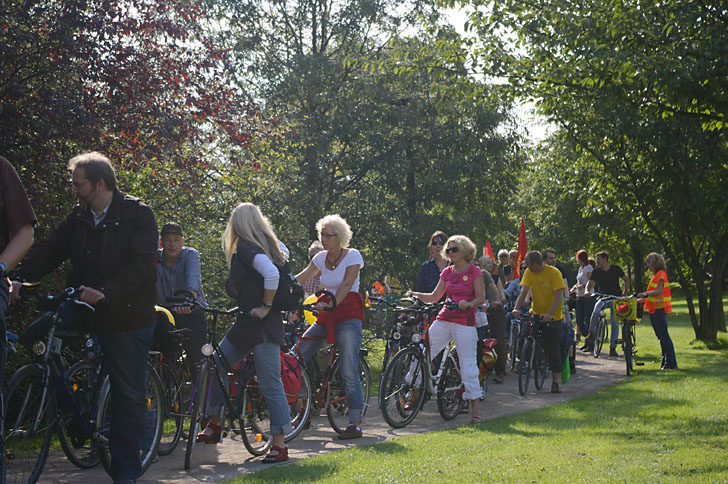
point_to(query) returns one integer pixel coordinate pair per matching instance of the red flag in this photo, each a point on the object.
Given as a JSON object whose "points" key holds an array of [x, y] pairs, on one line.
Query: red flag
{"points": [[522, 248], [488, 250]]}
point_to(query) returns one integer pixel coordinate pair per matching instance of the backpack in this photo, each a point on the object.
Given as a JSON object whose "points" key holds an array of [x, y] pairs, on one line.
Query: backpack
{"points": [[290, 376], [289, 295]]}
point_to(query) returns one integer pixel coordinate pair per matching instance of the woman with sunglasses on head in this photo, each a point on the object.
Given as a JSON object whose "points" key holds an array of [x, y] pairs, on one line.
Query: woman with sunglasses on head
{"points": [[463, 283], [339, 267], [430, 270]]}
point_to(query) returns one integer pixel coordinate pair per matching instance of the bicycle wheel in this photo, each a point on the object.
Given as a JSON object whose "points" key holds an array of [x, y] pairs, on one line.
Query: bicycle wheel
{"points": [[627, 346], [76, 437], [337, 405], [29, 424], [449, 388], [199, 397], [152, 429], [513, 344], [173, 413], [254, 418], [404, 375], [391, 349], [301, 408], [601, 336], [525, 365], [540, 367]]}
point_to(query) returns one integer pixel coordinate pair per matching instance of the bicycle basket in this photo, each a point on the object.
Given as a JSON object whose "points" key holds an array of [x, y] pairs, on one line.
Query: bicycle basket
{"points": [[625, 310]]}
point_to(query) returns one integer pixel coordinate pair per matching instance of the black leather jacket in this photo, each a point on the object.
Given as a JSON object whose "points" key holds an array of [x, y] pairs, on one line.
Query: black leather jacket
{"points": [[116, 257]]}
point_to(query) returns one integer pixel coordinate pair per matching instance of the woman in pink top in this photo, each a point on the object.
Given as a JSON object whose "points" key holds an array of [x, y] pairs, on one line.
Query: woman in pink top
{"points": [[463, 283]]}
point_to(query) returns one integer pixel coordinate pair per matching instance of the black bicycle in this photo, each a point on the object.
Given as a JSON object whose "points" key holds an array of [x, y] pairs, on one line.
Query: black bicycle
{"points": [[46, 395], [533, 355]]}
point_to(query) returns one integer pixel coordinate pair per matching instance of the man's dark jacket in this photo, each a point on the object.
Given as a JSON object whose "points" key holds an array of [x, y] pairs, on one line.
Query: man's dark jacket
{"points": [[116, 257]]}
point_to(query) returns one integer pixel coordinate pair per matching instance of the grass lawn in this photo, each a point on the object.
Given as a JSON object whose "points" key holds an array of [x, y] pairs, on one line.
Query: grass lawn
{"points": [[658, 426]]}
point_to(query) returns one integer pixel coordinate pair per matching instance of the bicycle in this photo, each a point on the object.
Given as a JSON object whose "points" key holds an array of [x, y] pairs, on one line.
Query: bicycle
{"points": [[44, 396], [408, 321], [411, 371], [602, 329], [628, 312], [327, 389], [513, 339], [533, 356], [244, 401]]}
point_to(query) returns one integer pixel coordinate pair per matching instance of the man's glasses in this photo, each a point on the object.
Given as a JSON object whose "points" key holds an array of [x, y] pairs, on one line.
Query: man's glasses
{"points": [[451, 250]]}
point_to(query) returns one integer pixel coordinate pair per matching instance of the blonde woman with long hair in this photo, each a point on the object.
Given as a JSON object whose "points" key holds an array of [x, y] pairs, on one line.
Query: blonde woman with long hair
{"points": [[252, 252]]}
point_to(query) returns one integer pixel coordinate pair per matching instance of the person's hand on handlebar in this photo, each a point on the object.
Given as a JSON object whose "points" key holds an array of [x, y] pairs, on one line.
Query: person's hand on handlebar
{"points": [[547, 317], [183, 309], [320, 306], [90, 295], [516, 313]]}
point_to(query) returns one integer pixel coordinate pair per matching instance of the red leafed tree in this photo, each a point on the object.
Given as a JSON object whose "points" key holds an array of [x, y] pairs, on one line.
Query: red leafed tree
{"points": [[136, 79]]}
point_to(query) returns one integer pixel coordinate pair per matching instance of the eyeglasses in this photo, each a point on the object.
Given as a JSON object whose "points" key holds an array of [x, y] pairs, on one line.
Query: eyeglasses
{"points": [[328, 235], [437, 244], [451, 250]]}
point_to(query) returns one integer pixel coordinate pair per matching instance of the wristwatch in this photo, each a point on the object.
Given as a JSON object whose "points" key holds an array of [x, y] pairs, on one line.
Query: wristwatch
{"points": [[3, 269], [266, 305]]}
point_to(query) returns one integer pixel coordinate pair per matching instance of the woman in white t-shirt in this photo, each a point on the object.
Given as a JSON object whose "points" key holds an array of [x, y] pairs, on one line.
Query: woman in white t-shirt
{"points": [[584, 302], [339, 268]]}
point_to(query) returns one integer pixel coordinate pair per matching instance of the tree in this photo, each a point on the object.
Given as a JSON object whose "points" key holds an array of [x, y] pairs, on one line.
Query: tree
{"points": [[641, 88]]}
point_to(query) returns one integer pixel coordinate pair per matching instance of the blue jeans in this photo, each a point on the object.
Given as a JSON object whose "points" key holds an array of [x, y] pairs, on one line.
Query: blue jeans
{"points": [[659, 324], [584, 308], [598, 306], [348, 342], [267, 358], [125, 357]]}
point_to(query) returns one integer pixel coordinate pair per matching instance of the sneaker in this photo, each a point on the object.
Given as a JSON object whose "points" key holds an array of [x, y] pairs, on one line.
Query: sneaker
{"points": [[555, 387], [588, 348], [613, 352], [351, 432]]}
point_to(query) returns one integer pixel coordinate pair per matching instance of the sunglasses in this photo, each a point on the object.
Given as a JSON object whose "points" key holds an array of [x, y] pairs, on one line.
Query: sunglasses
{"points": [[451, 250], [437, 244]]}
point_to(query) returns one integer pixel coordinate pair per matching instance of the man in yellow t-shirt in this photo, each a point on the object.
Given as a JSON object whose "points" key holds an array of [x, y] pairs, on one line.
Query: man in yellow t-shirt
{"points": [[546, 284]]}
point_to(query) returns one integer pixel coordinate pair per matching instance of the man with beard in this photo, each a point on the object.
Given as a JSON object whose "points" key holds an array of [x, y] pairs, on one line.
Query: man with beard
{"points": [[111, 240]]}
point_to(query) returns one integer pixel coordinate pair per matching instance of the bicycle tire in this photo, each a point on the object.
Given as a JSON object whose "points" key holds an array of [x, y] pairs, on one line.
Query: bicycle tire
{"points": [[153, 427], [337, 406], [299, 417], [513, 345], [28, 437], [199, 397], [254, 417], [77, 443], [627, 346], [173, 414], [449, 388], [397, 390], [540, 367], [524, 366], [601, 335], [390, 350]]}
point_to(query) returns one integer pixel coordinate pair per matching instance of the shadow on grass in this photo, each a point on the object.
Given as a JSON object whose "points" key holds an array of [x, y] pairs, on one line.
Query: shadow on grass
{"points": [[388, 448], [281, 473]]}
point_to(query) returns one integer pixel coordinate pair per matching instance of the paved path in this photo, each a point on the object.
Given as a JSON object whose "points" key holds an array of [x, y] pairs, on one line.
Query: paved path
{"points": [[214, 463]]}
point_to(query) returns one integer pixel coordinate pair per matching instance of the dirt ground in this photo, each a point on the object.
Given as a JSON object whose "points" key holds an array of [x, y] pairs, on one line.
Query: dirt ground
{"points": [[214, 463]]}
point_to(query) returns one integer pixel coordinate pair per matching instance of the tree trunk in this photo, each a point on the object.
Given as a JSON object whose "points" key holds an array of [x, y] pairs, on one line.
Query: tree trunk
{"points": [[715, 307], [638, 261]]}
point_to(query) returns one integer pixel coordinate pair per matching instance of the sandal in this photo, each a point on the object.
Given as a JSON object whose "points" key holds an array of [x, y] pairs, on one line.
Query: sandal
{"points": [[214, 438], [281, 455]]}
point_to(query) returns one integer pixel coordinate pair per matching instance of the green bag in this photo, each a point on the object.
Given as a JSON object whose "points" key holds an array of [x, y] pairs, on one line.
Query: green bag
{"points": [[566, 371]]}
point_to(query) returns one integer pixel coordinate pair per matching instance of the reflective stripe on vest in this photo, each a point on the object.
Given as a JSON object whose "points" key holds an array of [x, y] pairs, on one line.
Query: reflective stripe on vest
{"points": [[665, 299]]}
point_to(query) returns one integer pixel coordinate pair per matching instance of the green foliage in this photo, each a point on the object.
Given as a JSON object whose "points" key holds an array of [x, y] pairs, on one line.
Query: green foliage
{"points": [[638, 93]]}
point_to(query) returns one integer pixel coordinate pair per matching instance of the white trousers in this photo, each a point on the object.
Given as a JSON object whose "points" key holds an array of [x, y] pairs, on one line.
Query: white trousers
{"points": [[466, 344]]}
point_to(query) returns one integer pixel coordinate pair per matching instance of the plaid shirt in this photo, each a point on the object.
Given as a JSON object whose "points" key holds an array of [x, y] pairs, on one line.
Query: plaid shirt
{"points": [[312, 285]]}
